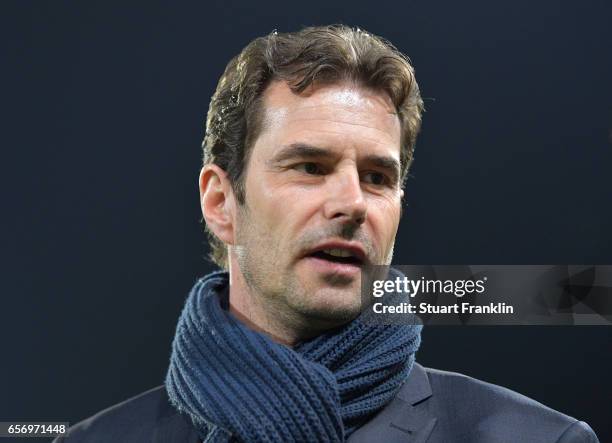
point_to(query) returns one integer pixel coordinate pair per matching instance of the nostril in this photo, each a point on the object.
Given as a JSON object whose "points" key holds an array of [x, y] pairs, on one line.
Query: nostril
{"points": [[357, 219]]}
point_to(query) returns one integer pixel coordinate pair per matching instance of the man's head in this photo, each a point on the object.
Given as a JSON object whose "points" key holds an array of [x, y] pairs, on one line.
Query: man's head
{"points": [[309, 139]]}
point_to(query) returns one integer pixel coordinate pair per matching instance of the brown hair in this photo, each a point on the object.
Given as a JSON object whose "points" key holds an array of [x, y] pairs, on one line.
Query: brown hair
{"points": [[325, 54]]}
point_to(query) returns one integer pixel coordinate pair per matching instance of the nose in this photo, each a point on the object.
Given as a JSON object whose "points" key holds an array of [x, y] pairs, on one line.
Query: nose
{"points": [[345, 197]]}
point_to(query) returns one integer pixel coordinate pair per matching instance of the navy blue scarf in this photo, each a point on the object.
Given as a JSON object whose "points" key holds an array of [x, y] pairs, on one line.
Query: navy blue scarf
{"points": [[226, 377]]}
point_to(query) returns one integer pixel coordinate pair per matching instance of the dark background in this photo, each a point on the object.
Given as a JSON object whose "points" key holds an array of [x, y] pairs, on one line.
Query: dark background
{"points": [[103, 106]]}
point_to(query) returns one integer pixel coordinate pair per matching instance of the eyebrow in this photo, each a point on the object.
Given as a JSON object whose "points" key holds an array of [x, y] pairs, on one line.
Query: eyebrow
{"points": [[303, 150], [383, 162]]}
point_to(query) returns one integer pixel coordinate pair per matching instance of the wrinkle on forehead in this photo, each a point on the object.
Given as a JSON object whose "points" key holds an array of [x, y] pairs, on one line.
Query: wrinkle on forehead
{"points": [[281, 103], [273, 116], [356, 96]]}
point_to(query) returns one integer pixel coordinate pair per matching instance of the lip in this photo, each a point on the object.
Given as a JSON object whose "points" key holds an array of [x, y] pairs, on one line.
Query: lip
{"points": [[326, 267], [353, 247], [349, 271]]}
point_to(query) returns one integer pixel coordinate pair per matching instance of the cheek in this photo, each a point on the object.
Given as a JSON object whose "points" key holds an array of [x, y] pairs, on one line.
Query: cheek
{"points": [[280, 210], [384, 215]]}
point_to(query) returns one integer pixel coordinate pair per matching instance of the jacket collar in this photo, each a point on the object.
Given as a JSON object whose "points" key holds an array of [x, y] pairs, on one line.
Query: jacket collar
{"points": [[400, 421], [417, 387], [172, 426]]}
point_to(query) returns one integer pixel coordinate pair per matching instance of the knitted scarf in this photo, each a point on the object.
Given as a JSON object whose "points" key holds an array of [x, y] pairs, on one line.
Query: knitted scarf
{"points": [[225, 376]]}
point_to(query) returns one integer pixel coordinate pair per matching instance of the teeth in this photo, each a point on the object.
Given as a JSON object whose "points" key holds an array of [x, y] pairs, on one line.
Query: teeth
{"points": [[338, 252]]}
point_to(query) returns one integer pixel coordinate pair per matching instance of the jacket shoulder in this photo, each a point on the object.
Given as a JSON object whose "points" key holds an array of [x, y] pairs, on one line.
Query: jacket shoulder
{"points": [[484, 409], [131, 420]]}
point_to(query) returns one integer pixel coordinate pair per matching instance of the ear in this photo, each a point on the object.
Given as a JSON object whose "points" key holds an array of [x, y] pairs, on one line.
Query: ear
{"points": [[217, 202]]}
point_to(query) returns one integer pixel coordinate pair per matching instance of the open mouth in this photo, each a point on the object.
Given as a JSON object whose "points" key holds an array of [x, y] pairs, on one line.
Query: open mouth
{"points": [[336, 255]]}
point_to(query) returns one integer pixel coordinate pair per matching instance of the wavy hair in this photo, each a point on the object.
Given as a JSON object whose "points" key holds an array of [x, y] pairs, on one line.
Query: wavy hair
{"points": [[325, 54]]}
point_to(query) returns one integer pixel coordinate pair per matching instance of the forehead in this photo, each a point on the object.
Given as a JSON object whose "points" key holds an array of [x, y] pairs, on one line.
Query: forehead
{"points": [[340, 115]]}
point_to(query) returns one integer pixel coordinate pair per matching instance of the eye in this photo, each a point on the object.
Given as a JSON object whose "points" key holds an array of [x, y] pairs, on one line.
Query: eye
{"points": [[375, 178], [309, 168]]}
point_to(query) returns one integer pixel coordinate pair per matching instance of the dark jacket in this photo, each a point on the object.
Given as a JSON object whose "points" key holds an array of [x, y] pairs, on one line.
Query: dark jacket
{"points": [[432, 406]]}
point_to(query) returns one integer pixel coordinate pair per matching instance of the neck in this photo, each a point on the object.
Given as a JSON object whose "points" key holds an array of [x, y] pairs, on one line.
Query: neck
{"points": [[259, 316]]}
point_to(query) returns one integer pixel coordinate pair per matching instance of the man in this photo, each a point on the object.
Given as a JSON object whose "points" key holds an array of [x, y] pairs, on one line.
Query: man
{"points": [[309, 139]]}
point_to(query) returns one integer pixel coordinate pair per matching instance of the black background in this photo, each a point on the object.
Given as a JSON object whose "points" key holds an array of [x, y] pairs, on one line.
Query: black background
{"points": [[103, 106]]}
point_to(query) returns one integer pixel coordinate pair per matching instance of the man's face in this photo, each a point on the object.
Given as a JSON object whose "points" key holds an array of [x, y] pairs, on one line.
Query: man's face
{"points": [[322, 200]]}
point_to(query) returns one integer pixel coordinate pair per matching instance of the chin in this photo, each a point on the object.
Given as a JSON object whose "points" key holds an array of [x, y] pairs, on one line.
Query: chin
{"points": [[332, 305]]}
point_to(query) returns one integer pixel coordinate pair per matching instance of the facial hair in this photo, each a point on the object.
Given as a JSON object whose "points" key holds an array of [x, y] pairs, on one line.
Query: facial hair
{"points": [[271, 279]]}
